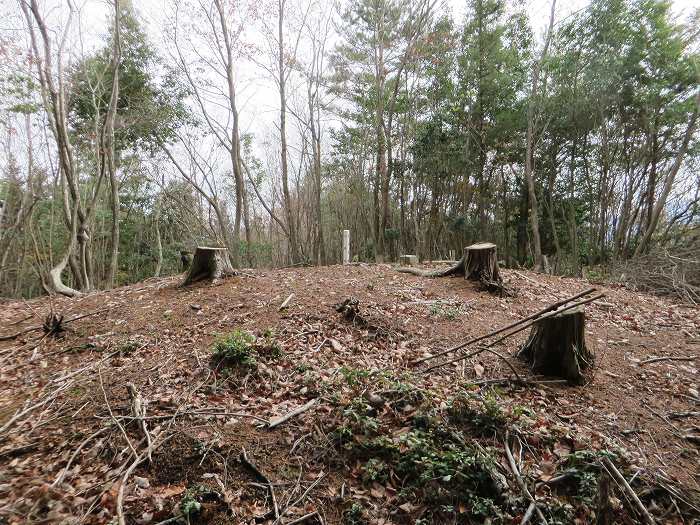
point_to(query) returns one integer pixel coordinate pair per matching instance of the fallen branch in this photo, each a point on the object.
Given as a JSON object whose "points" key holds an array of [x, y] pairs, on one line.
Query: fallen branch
{"points": [[278, 421], [301, 498], [519, 479], [286, 302], [549, 308], [612, 470], [304, 518], [667, 358], [64, 471]]}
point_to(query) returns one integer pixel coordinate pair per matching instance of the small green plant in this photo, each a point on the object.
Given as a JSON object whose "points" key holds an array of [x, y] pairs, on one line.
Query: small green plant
{"points": [[236, 349], [375, 470], [481, 412], [354, 376], [445, 311], [354, 515], [303, 367]]}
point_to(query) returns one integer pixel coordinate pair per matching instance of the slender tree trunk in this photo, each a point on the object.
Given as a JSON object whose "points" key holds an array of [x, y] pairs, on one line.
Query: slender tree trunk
{"points": [[529, 146], [108, 153], [670, 178], [282, 81]]}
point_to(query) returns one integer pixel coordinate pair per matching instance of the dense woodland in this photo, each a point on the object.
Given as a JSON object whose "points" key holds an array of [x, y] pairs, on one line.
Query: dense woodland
{"points": [[570, 140]]}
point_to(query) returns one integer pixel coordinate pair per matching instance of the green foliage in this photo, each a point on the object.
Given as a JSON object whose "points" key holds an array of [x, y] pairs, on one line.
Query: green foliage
{"points": [[236, 349], [480, 412], [354, 515]]}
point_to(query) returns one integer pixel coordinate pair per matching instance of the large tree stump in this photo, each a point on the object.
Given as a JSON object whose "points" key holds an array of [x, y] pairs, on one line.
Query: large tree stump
{"points": [[557, 346], [208, 263], [481, 263]]}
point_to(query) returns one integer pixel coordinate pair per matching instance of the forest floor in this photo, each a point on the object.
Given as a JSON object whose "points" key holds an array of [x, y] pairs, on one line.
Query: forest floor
{"points": [[384, 442]]}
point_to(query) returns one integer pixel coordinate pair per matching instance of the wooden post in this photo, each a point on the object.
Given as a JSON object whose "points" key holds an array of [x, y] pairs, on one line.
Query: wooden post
{"points": [[346, 246]]}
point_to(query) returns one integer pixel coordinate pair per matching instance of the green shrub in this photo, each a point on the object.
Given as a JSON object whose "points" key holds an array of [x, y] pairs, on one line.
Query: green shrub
{"points": [[236, 349]]}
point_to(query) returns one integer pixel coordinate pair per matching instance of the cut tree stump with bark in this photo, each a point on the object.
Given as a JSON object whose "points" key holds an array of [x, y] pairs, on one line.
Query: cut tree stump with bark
{"points": [[481, 263], [557, 346], [208, 263]]}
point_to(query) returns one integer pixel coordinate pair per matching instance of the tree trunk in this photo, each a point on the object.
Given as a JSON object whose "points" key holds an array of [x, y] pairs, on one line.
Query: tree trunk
{"points": [[481, 263], [108, 153], [282, 81], [208, 264], [529, 146], [557, 346]]}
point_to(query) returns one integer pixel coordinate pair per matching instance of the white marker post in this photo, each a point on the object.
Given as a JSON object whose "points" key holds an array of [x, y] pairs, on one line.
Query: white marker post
{"points": [[346, 246]]}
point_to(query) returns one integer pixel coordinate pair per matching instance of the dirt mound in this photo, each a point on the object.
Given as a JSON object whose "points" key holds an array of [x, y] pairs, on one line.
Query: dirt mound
{"points": [[383, 443]]}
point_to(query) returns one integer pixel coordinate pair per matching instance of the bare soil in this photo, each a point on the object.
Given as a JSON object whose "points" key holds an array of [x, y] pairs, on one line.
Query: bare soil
{"points": [[158, 336]]}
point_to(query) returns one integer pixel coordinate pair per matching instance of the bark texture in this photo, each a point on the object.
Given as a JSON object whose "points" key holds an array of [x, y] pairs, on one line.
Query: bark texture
{"points": [[557, 346], [208, 264]]}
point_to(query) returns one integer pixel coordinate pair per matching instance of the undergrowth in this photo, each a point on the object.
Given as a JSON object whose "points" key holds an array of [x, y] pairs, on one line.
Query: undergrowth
{"points": [[242, 349]]}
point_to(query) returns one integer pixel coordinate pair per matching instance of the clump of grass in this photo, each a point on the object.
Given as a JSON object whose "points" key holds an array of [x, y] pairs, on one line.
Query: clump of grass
{"points": [[481, 412], [236, 349]]}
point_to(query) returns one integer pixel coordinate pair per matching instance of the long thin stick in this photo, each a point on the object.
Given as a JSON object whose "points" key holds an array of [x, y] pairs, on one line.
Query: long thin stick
{"points": [[657, 359], [549, 308], [631, 493], [518, 329], [276, 422], [519, 479]]}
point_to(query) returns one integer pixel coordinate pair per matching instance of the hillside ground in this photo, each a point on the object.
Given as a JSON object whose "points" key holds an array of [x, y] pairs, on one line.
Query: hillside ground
{"points": [[384, 442]]}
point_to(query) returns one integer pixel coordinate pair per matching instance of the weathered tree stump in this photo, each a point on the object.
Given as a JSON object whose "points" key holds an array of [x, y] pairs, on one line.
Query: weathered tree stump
{"points": [[208, 263], [557, 346], [481, 263]]}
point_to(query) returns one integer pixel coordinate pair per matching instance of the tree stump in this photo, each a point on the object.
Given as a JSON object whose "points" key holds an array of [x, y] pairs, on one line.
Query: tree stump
{"points": [[557, 346], [208, 263], [481, 263]]}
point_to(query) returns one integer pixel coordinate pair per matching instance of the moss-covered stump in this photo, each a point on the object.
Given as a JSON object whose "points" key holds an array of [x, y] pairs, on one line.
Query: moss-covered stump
{"points": [[481, 263], [208, 263], [557, 346]]}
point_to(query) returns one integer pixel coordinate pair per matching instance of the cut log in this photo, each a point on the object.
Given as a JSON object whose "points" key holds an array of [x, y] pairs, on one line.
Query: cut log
{"points": [[208, 263], [408, 260], [557, 346], [481, 263]]}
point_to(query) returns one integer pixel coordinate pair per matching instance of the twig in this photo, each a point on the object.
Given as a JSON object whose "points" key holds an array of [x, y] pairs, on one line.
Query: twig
{"points": [[303, 518], [286, 302], [261, 477], [64, 471], [528, 513], [667, 358], [301, 498], [519, 479], [278, 421], [116, 421], [549, 308], [137, 461], [612, 469], [138, 409]]}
